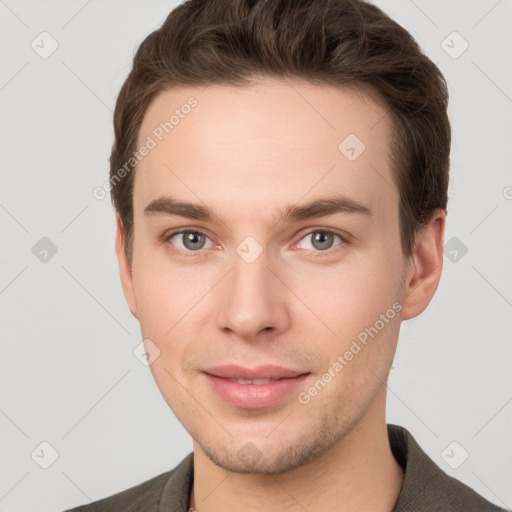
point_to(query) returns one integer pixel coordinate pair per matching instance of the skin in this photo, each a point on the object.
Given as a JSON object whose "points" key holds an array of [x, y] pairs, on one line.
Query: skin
{"points": [[248, 153]]}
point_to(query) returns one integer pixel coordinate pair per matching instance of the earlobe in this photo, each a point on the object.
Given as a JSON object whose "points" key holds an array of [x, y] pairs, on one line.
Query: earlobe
{"points": [[125, 271], [425, 266]]}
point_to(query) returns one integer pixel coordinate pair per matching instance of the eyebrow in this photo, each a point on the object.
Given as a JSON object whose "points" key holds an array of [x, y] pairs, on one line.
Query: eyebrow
{"points": [[317, 208]]}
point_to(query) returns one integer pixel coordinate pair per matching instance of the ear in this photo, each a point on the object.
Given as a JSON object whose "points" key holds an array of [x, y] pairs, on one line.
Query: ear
{"points": [[424, 267], [125, 270]]}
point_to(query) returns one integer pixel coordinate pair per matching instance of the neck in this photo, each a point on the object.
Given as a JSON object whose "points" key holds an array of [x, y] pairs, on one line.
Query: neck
{"points": [[358, 473]]}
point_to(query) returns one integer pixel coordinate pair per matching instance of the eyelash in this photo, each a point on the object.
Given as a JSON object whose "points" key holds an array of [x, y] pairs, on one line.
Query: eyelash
{"points": [[317, 253]]}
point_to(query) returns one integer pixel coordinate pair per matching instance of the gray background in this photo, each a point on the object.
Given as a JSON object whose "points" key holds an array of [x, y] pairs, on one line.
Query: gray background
{"points": [[68, 373]]}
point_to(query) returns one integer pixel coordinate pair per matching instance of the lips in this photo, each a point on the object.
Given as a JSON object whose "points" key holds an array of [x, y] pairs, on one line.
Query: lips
{"points": [[253, 388], [261, 372], [257, 382]]}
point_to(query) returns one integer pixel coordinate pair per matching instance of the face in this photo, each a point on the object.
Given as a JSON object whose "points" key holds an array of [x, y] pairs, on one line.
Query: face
{"points": [[267, 270]]}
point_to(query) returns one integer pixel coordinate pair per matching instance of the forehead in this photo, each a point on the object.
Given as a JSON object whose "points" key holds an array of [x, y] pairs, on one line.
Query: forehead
{"points": [[232, 145]]}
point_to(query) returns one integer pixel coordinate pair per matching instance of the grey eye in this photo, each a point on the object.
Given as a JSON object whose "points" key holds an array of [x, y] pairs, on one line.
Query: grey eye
{"points": [[189, 240], [320, 240]]}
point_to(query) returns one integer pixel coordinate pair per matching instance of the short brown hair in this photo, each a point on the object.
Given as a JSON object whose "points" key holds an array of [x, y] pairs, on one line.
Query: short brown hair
{"points": [[348, 43]]}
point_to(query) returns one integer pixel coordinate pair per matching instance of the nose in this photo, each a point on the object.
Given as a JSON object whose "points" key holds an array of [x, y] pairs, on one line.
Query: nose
{"points": [[253, 301]]}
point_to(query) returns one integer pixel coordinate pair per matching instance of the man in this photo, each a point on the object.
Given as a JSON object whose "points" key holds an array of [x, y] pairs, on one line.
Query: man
{"points": [[280, 175]]}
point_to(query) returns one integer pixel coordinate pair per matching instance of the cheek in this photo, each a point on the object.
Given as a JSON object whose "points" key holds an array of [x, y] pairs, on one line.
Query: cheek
{"points": [[348, 298], [155, 302], [166, 294], [173, 304], [360, 304]]}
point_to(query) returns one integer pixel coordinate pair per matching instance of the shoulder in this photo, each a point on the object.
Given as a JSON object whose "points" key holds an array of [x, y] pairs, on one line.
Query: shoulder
{"points": [[144, 497], [426, 486]]}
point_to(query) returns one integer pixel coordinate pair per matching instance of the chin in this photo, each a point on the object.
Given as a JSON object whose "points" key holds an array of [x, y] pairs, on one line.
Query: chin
{"points": [[264, 456]]}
